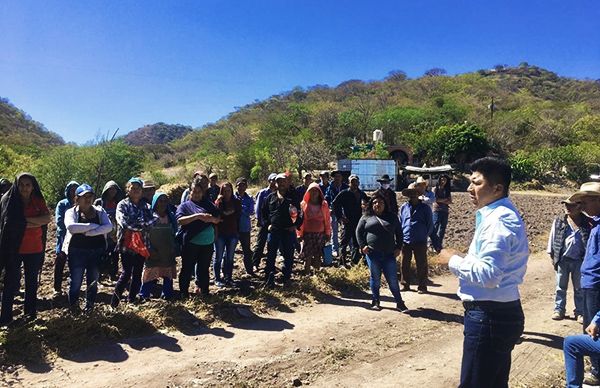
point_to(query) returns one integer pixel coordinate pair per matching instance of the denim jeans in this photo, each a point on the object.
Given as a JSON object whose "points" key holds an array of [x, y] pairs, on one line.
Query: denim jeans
{"points": [[379, 262], [335, 240], [575, 347], [225, 250], [195, 258], [133, 265], [491, 331], [80, 261], [591, 305], [568, 267], [167, 288], [32, 263], [440, 221], [59, 268], [284, 240]]}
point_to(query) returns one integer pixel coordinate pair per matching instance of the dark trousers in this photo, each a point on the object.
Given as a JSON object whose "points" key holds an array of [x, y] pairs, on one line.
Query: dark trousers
{"points": [[591, 305], [349, 241], [420, 252], [247, 251], [491, 331], [284, 240], [59, 268], [259, 248], [195, 258], [32, 263], [133, 265]]}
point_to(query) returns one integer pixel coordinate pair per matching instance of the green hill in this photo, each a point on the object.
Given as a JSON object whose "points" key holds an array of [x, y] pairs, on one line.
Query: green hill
{"points": [[440, 118], [153, 134], [20, 131]]}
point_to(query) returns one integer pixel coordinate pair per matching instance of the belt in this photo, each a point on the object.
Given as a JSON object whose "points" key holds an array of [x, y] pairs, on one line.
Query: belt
{"points": [[490, 305]]}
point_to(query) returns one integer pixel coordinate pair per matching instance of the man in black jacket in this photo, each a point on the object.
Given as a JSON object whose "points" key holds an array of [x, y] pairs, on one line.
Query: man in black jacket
{"points": [[348, 208], [281, 215], [391, 202]]}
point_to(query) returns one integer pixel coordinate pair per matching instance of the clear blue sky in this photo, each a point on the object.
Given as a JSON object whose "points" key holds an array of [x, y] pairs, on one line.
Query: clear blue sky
{"points": [[84, 67]]}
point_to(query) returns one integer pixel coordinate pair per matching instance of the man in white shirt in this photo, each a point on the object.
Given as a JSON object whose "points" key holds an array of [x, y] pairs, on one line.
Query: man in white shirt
{"points": [[489, 277]]}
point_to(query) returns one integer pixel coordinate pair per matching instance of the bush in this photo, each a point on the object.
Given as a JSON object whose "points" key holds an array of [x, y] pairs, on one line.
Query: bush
{"points": [[458, 143]]}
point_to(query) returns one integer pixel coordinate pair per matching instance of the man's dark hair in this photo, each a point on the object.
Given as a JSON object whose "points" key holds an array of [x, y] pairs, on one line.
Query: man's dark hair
{"points": [[495, 171]]}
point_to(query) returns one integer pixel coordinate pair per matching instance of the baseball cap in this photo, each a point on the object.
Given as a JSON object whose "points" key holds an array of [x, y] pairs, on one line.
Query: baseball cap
{"points": [[83, 189]]}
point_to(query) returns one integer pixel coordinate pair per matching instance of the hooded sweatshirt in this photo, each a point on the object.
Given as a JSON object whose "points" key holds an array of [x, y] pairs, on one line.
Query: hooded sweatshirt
{"points": [[59, 215], [315, 220], [110, 206]]}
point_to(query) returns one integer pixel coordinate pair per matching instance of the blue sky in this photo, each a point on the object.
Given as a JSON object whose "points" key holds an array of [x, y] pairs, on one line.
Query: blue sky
{"points": [[88, 67]]}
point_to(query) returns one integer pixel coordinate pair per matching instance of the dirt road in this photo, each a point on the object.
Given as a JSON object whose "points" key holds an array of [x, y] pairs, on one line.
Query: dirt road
{"points": [[340, 343]]}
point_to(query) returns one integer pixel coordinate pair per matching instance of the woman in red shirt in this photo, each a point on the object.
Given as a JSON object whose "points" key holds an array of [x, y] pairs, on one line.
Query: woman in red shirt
{"points": [[316, 227], [23, 214]]}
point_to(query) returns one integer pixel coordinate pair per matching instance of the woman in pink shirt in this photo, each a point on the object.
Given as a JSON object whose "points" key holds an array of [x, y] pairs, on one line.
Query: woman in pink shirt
{"points": [[316, 227]]}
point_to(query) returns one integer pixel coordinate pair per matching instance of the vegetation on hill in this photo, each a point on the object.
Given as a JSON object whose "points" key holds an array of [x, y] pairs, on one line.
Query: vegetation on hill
{"points": [[159, 133]]}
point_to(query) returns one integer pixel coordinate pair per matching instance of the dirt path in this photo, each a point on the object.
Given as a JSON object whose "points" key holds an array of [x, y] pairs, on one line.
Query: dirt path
{"points": [[340, 343]]}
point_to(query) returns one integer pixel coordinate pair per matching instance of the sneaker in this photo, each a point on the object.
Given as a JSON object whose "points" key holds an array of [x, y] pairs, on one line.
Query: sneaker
{"points": [[558, 316], [422, 290], [56, 294], [401, 307], [579, 319], [591, 379], [219, 284], [375, 305], [406, 287]]}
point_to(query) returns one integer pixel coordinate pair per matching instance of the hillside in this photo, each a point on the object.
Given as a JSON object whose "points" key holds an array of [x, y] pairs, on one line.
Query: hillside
{"points": [[20, 131], [153, 134], [440, 118]]}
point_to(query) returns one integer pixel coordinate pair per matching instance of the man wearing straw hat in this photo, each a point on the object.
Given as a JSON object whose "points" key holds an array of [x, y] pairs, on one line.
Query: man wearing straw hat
{"points": [[575, 347]]}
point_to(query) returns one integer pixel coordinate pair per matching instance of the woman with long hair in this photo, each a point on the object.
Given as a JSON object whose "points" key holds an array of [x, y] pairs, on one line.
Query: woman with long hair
{"points": [[315, 230], [23, 219], [441, 209], [227, 234], [379, 235]]}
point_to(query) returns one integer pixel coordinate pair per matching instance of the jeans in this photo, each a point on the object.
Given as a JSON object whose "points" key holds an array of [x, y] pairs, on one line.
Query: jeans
{"points": [[259, 248], [32, 264], [379, 262], [59, 269], [167, 288], [440, 221], [591, 305], [133, 265], [568, 267], [491, 331], [575, 347], [225, 250], [195, 258], [420, 252], [284, 240], [80, 261], [247, 251], [335, 242]]}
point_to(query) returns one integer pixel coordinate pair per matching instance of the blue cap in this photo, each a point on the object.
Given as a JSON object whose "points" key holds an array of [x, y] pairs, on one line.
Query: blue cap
{"points": [[272, 177], [137, 180], [83, 189]]}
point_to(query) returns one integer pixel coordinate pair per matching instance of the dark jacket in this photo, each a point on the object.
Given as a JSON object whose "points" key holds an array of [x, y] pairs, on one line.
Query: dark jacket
{"points": [[333, 191], [277, 213], [561, 230], [347, 204], [188, 208], [13, 222]]}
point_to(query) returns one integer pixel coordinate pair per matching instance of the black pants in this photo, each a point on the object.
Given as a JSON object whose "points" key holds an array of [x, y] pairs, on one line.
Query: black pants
{"points": [[244, 238], [492, 329], [259, 248], [419, 250], [133, 265], [59, 269], [195, 258], [349, 241], [32, 264]]}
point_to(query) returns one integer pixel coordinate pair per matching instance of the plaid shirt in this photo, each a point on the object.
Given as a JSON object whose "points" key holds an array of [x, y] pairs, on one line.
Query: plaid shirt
{"points": [[138, 218]]}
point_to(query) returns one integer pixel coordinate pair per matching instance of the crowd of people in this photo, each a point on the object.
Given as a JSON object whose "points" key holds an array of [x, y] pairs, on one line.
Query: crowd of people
{"points": [[141, 232], [135, 235]]}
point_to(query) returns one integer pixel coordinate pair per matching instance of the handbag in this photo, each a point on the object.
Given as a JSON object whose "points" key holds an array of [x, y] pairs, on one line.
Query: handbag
{"points": [[135, 243]]}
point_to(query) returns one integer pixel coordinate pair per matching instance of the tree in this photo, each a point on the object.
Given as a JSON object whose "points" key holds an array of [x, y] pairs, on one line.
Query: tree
{"points": [[458, 143], [396, 76], [435, 72]]}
